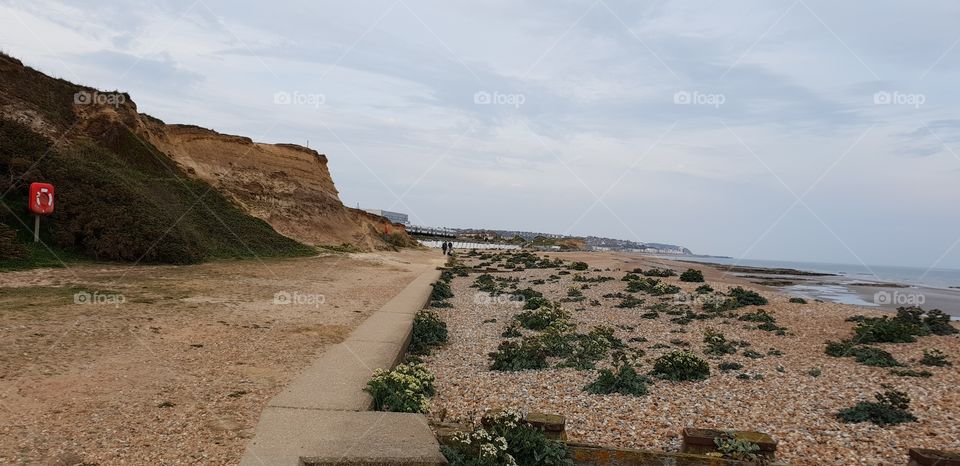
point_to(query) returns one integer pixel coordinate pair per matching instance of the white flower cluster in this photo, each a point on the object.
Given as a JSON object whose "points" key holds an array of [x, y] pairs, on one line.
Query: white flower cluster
{"points": [[491, 450], [408, 385]]}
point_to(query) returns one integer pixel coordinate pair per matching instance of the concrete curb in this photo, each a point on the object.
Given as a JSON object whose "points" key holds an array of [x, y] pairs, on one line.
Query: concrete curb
{"points": [[322, 416]]}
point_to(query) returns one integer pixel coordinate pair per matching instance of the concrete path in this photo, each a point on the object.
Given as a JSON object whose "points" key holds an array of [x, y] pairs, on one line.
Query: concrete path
{"points": [[323, 416]]}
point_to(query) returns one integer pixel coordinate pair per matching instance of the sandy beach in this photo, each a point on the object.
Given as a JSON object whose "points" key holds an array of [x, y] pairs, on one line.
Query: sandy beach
{"points": [[779, 397], [179, 371]]}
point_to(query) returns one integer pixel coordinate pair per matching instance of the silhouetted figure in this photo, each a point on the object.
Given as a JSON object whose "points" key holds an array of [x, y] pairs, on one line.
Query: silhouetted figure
{"points": [[449, 249], [444, 247]]}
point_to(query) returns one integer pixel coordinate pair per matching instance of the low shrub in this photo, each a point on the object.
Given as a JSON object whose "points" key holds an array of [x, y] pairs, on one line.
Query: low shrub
{"points": [[542, 317], [536, 302], [579, 266], [703, 289], [717, 344], [526, 294], [729, 366], [752, 354], [730, 447], [681, 365], [405, 389], [428, 331], [624, 381], [505, 440], [798, 300], [441, 291], [886, 330], [691, 275], [630, 302], [716, 302], [655, 272], [587, 349], [876, 357], [891, 407], [935, 358], [527, 354], [911, 373], [815, 372], [745, 297], [759, 315]]}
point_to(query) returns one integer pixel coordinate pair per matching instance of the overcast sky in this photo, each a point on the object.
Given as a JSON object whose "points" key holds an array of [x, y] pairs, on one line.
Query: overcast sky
{"points": [[799, 130]]}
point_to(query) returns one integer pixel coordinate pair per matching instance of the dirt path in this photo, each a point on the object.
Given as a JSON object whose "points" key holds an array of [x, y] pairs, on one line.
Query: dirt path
{"points": [[169, 365]]}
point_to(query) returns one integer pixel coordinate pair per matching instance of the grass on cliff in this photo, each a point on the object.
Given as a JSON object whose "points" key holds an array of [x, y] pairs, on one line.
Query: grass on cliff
{"points": [[126, 203]]}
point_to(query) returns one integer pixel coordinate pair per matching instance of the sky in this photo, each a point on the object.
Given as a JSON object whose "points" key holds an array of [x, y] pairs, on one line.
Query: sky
{"points": [[795, 130]]}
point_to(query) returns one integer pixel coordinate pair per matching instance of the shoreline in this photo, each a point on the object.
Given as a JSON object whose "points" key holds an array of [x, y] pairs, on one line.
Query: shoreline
{"points": [[841, 289]]}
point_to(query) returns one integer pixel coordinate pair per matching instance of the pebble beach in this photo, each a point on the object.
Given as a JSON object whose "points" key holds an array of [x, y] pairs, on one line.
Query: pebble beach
{"points": [[792, 391]]}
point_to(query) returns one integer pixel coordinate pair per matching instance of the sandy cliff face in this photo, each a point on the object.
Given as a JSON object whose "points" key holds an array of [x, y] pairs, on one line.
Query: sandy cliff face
{"points": [[286, 185]]}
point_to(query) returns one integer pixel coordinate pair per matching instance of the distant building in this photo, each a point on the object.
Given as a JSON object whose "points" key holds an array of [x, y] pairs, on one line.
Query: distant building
{"points": [[395, 217]]}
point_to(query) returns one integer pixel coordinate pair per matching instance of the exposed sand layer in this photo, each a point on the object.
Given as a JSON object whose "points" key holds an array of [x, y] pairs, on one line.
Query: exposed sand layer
{"points": [[798, 409], [180, 371]]}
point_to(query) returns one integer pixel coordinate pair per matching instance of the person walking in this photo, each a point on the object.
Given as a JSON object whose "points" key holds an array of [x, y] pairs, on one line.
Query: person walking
{"points": [[444, 247], [450, 249]]}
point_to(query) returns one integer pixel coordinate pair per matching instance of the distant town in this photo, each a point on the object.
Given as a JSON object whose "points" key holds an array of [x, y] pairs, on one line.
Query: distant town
{"points": [[536, 240]]}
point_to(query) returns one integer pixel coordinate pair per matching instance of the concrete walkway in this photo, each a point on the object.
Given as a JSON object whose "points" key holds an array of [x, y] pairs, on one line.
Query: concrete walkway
{"points": [[323, 416]]}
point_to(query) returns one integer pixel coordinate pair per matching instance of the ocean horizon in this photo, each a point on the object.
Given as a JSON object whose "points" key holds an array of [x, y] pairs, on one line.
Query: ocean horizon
{"points": [[939, 277]]}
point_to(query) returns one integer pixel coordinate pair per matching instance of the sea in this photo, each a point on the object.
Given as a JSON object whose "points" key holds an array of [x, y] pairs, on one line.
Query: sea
{"points": [[942, 278]]}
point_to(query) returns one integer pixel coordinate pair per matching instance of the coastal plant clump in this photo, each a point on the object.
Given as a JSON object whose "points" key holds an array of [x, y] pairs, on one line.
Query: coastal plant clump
{"points": [[891, 407], [798, 301], [625, 381], [935, 358], [656, 272], [405, 389], [629, 302], [730, 447], [905, 327], [717, 344], [703, 289], [743, 297], [428, 331], [504, 438], [579, 266], [911, 373], [441, 291], [866, 355], [716, 302], [681, 365], [511, 356], [729, 366], [692, 275], [542, 317]]}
